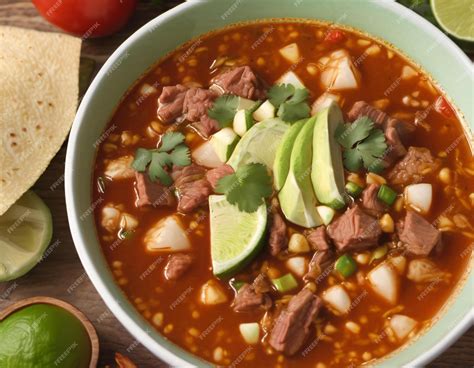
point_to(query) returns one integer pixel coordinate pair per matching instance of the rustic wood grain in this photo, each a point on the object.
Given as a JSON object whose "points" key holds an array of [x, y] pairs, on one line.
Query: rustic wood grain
{"points": [[60, 274]]}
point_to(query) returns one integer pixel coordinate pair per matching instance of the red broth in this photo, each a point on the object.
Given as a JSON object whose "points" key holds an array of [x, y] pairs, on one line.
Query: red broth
{"points": [[212, 332]]}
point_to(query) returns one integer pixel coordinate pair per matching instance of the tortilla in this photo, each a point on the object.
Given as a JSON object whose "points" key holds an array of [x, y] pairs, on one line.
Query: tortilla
{"points": [[39, 75]]}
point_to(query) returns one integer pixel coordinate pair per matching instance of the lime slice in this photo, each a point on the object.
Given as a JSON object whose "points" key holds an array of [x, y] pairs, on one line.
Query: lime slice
{"points": [[25, 232], [455, 17], [259, 144], [236, 237]]}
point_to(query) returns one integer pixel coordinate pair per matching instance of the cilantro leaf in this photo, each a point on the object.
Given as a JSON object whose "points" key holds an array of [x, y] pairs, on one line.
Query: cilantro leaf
{"points": [[141, 160], [291, 111], [247, 188], [372, 148], [224, 110], [352, 159], [156, 169], [180, 156], [170, 140], [301, 95], [279, 93], [349, 134]]}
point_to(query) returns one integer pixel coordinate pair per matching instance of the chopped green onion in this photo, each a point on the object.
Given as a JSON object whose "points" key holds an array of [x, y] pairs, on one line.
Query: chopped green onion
{"points": [[345, 265], [236, 285], [353, 189], [285, 283], [387, 194], [379, 252]]}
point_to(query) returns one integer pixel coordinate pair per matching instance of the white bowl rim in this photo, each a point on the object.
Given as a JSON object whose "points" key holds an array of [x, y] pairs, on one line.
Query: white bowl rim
{"points": [[94, 274]]}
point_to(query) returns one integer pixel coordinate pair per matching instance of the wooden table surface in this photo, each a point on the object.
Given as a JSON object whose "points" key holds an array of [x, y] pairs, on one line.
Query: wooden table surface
{"points": [[62, 268]]}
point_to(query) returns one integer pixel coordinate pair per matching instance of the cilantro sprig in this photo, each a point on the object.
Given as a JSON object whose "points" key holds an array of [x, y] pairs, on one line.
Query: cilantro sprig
{"points": [[224, 109], [291, 102], [364, 145], [247, 188], [171, 151]]}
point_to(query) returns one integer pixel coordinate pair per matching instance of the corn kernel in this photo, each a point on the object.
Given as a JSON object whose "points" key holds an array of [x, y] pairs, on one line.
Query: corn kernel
{"points": [[386, 223], [375, 179], [298, 244]]}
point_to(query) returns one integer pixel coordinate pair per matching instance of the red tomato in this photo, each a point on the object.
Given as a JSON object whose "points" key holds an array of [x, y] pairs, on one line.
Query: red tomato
{"points": [[87, 18], [443, 107], [335, 36]]}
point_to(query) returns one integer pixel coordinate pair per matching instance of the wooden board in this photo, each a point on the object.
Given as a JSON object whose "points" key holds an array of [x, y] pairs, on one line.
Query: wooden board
{"points": [[61, 275]]}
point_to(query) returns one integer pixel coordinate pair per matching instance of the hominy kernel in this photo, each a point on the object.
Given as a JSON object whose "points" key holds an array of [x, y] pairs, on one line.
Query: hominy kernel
{"points": [[387, 224], [192, 62], [181, 69], [165, 80], [445, 175], [320, 365], [260, 61], [168, 328], [366, 356], [193, 332], [118, 273], [363, 319], [330, 329], [158, 319], [122, 281], [195, 314], [312, 69], [353, 327], [117, 264], [375, 179], [223, 48], [218, 354], [156, 126], [236, 36]]}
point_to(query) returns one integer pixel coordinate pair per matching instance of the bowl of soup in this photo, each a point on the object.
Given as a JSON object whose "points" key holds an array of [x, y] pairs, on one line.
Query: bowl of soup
{"points": [[289, 186]]}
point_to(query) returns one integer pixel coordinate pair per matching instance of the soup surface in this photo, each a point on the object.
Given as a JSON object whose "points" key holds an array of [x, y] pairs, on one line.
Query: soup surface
{"points": [[333, 251]]}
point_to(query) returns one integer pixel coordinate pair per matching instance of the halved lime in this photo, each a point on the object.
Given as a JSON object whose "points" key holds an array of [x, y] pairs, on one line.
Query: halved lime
{"points": [[455, 17], [259, 144], [25, 232], [236, 237]]}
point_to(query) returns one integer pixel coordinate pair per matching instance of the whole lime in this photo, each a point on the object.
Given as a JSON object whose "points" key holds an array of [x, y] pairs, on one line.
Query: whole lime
{"points": [[43, 335]]}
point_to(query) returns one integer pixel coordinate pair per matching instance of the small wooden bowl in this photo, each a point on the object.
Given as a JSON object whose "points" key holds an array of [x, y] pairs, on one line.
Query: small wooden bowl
{"points": [[94, 339]]}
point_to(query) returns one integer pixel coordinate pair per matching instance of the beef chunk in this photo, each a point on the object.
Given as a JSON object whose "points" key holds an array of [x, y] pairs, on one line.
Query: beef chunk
{"points": [[418, 234], [354, 230], [278, 240], [396, 131], [170, 103], [152, 193], [317, 238], [371, 203], [196, 103], [214, 175], [177, 265], [240, 81], [262, 284], [249, 300], [192, 186], [415, 165], [321, 260], [292, 326]]}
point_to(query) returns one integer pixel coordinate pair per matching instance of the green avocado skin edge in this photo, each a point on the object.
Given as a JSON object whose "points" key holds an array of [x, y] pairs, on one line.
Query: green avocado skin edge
{"points": [[43, 335]]}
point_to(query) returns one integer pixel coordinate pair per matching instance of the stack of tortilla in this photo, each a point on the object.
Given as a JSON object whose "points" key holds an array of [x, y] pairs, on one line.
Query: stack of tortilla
{"points": [[39, 89]]}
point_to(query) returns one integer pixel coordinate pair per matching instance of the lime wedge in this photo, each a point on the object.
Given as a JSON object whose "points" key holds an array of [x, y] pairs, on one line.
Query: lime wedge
{"points": [[455, 17], [236, 237], [25, 232], [259, 144]]}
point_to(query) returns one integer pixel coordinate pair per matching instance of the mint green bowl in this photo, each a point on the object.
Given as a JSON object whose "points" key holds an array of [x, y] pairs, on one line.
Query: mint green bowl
{"points": [[417, 39]]}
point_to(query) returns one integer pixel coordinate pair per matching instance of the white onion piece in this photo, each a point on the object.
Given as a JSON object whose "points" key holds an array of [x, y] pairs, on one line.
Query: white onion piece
{"points": [[402, 325], [297, 265], [336, 296], [408, 72], [324, 101], [385, 282], [205, 155], [339, 72], [290, 78], [212, 293], [399, 263], [167, 235], [120, 168], [250, 332], [290, 52], [419, 197]]}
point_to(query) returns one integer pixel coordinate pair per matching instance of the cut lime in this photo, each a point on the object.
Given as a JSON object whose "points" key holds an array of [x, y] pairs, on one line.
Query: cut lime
{"points": [[236, 237], [259, 144], [455, 17], [25, 232]]}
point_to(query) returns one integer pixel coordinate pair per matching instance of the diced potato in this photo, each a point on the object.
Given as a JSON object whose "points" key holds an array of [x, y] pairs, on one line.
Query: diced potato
{"points": [[297, 265], [298, 244], [167, 235], [337, 298], [402, 325], [290, 52], [212, 293], [120, 168], [419, 197], [385, 282]]}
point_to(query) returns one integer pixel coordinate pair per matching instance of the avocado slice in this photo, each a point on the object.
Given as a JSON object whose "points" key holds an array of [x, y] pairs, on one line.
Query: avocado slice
{"points": [[297, 199], [327, 174], [281, 166]]}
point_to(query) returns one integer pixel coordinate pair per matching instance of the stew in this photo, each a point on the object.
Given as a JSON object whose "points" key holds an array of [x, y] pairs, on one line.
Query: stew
{"points": [[287, 194]]}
